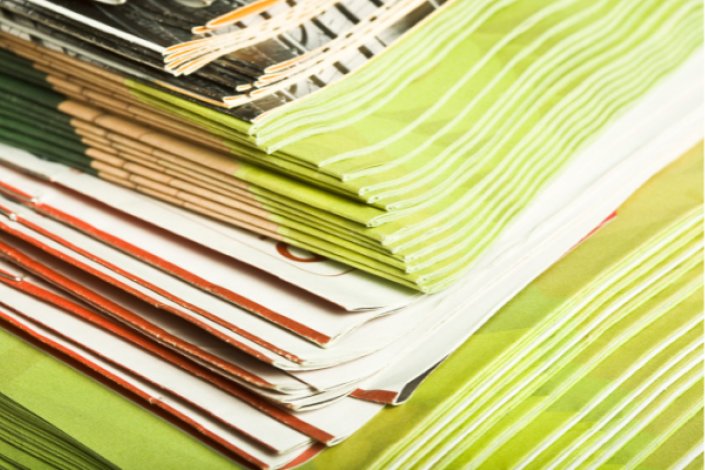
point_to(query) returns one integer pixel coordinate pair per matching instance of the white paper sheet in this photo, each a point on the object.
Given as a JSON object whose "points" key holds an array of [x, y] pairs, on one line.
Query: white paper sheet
{"points": [[167, 329], [274, 342]]}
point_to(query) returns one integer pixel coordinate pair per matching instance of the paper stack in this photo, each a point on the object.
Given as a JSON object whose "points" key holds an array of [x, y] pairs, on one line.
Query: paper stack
{"points": [[29, 440], [598, 363], [270, 220]]}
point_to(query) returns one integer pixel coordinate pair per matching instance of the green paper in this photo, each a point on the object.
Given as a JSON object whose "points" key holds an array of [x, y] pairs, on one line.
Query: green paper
{"points": [[641, 221]]}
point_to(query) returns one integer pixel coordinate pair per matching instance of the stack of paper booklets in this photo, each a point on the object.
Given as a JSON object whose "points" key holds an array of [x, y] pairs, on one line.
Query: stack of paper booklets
{"points": [[598, 363], [595, 364], [269, 220]]}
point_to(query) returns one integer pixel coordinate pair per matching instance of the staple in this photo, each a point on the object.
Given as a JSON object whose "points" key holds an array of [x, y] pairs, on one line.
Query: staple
{"points": [[11, 277], [8, 213]]}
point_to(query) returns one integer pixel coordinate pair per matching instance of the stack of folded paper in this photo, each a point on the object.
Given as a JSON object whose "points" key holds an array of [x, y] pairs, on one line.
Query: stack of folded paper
{"points": [[269, 220], [29, 441], [598, 362]]}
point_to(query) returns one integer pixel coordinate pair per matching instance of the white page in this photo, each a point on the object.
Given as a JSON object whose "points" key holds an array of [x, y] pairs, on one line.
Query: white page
{"points": [[308, 401], [276, 343], [177, 334], [285, 390], [137, 289]]}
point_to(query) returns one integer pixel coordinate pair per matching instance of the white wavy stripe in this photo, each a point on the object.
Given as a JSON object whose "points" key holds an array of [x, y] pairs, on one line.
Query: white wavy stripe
{"points": [[632, 464], [576, 95], [470, 196], [635, 427], [465, 233], [505, 40], [687, 459]]}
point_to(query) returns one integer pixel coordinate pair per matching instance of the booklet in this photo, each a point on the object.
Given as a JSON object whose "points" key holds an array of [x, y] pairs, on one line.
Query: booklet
{"points": [[228, 402]]}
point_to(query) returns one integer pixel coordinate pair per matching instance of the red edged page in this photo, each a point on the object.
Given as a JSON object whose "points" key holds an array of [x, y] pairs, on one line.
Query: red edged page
{"points": [[60, 303], [167, 329], [295, 309], [337, 419]]}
